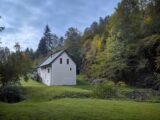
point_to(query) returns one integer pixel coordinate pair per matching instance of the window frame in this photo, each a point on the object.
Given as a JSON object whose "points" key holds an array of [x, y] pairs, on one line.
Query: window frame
{"points": [[67, 61], [60, 61]]}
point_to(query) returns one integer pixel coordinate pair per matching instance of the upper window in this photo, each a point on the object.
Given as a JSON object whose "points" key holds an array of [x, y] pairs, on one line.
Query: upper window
{"points": [[67, 61], [48, 70], [60, 60]]}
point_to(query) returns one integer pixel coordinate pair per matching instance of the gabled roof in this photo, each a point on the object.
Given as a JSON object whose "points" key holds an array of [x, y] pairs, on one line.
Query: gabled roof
{"points": [[52, 58]]}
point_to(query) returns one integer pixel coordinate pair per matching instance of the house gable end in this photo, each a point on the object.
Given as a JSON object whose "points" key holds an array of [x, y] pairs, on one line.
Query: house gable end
{"points": [[48, 61]]}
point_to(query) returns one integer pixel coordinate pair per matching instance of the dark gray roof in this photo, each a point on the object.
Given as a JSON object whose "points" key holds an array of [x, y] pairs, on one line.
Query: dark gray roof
{"points": [[51, 58]]}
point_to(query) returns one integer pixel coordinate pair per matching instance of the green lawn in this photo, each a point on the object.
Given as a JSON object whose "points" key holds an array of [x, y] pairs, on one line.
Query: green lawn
{"points": [[41, 105]]}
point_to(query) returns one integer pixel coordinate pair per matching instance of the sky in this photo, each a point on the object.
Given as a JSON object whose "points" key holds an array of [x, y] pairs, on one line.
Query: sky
{"points": [[25, 20]]}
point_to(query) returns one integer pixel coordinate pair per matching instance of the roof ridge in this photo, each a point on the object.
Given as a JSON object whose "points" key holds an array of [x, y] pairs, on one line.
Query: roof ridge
{"points": [[51, 58]]}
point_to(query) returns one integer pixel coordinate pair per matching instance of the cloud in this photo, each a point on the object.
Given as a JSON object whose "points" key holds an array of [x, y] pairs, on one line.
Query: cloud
{"points": [[25, 19], [25, 38]]}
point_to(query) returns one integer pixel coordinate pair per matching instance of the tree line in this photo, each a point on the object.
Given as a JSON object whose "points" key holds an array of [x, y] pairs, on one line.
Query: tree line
{"points": [[125, 46], [122, 47]]}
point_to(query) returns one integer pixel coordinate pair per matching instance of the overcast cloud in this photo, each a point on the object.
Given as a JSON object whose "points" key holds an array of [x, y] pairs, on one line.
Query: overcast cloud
{"points": [[24, 20]]}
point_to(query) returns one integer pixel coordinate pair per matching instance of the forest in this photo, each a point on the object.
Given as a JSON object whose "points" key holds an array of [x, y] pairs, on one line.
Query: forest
{"points": [[122, 47]]}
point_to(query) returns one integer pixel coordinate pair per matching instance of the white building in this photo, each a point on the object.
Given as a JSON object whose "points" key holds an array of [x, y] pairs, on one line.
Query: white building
{"points": [[58, 69]]}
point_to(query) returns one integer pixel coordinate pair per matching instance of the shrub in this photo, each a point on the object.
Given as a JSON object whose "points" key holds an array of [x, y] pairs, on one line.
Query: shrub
{"points": [[35, 76], [72, 95], [157, 82], [106, 89], [148, 95], [121, 84], [11, 94]]}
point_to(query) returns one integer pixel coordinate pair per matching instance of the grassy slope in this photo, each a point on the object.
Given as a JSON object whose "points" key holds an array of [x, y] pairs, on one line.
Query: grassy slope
{"points": [[40, 106]]}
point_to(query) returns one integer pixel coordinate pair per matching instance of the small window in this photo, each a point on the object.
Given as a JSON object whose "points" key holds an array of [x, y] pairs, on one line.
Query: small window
{"points": [[70, 69], [67, 61], [60, 60], [48, 70]]}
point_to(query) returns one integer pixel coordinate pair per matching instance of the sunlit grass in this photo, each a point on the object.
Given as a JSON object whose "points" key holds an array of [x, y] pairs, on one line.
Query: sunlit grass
{"points": [[40, 105]]}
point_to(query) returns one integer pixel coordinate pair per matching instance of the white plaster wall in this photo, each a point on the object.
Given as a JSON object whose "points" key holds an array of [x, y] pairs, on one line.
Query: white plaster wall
{"points": [[61, 74], [46, 77]]}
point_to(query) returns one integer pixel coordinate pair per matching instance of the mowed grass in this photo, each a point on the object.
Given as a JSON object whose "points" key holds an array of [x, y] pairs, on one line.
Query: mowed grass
{"points": [[38, 92], [40, 105], [80, 109]]}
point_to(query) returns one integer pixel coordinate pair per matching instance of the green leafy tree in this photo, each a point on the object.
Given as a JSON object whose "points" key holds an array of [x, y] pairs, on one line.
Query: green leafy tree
{"points": [[73, 45], [15, 66]]}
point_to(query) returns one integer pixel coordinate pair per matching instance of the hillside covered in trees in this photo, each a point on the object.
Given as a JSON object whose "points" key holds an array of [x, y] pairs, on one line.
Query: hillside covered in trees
{"points": [[122, 47], [125, 46]]}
